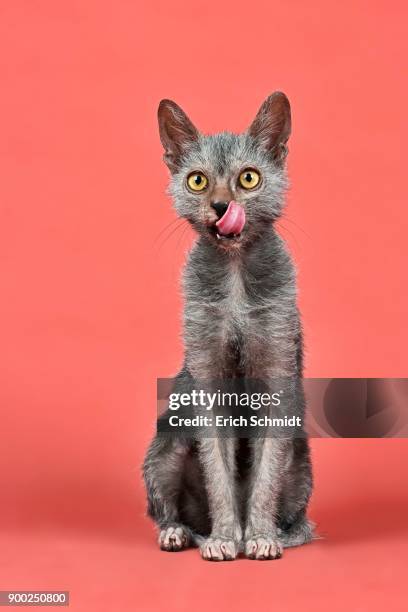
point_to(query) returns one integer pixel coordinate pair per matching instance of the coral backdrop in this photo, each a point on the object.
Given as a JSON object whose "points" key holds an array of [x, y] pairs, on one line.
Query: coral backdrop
{"points": [[90, 304]]}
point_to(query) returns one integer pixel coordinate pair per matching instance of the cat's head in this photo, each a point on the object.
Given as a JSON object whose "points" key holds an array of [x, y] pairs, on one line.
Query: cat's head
{"points": [[228, 181]]}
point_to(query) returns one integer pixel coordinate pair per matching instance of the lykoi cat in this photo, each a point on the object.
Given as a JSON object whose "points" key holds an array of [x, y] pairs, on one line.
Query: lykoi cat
{"points": [[241, 322]]}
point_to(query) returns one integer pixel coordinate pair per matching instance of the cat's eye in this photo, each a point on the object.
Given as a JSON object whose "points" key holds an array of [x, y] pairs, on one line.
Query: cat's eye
{"points": [[197, 181], [249, 178]]}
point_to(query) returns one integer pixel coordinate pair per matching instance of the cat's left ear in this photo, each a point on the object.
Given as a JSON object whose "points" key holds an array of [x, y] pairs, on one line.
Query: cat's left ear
{"points": [[271, 126], [177, 133]]}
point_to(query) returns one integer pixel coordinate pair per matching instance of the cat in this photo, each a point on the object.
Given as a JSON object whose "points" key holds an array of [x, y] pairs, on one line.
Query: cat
{"points": [[231, 495]]}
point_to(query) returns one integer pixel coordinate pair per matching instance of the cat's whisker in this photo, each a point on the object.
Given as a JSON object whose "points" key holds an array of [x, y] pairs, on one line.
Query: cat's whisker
{"points": [[281, 226], [284, 216], [166, 227], [181, 237], [174, 230]]}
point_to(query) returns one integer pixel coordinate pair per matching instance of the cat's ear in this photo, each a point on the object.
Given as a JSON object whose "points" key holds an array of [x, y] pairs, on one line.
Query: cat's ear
{"points": [[177, 133], [271, 126]]}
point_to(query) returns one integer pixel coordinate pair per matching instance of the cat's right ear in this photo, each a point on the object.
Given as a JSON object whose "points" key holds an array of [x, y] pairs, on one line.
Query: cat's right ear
{"points": [[177, 133]]}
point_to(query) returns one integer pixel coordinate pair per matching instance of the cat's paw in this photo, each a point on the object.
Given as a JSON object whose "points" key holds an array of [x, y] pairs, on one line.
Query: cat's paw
{"points": [[263, 548], [219, 549], [173, 539]]}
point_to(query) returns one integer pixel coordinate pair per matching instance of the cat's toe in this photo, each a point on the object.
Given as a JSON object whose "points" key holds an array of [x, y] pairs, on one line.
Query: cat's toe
{"points": [[263, 548], [219, 549], [173, 539]]}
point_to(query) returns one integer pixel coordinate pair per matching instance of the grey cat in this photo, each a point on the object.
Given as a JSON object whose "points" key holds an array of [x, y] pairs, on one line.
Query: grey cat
{"points": [[228, 495]]}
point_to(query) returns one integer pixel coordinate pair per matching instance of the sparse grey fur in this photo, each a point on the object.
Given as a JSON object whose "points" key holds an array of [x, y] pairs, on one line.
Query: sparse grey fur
{"points": [[240, 319]]}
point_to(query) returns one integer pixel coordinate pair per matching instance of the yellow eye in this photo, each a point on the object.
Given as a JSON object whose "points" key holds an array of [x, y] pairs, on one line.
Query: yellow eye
{"points": [[249, 178], [197, 181]]}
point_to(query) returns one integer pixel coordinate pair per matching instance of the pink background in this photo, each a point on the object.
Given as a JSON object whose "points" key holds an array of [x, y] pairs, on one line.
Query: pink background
{"points": [[90, 306]]}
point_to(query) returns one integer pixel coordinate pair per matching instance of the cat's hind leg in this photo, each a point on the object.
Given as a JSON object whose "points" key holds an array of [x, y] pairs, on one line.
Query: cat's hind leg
{"points": [[294, 528], [162, 470], [297, 534]]}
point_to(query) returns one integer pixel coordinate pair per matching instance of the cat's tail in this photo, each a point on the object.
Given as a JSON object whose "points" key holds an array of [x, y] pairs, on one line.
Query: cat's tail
{"points": [[301, 532]]}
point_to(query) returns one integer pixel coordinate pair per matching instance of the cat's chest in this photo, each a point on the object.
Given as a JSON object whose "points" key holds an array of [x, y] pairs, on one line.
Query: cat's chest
{"points": [[235, 304], [226, 301], [230, 306]]}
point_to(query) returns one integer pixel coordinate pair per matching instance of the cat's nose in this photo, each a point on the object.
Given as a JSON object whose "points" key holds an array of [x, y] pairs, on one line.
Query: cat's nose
{"points": [[220, 208]]}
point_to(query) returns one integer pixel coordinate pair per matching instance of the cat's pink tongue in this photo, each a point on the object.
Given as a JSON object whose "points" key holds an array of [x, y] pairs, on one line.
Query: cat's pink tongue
{"points": [[232, 221]]}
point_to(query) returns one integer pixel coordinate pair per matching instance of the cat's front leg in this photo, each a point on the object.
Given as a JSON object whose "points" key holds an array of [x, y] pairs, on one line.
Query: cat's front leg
{"points": [[261, 536], [217, 457]]}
